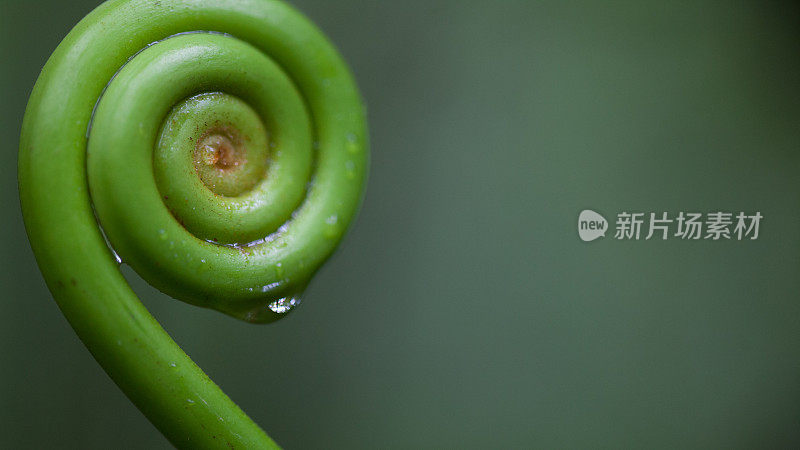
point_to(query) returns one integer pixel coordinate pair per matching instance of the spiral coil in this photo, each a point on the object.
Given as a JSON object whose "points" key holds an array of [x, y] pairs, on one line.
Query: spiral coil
{"points": [[291, 193], [220, 145]]}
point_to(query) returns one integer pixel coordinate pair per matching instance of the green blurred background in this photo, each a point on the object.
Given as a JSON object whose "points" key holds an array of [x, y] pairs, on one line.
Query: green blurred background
{"points": [[463, 311]]}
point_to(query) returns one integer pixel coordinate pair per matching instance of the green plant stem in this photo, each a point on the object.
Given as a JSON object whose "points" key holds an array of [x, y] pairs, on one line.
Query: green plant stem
{"points": [[253, 71]]}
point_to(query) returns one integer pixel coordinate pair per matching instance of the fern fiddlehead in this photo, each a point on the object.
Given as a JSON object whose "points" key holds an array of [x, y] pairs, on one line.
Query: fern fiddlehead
{"points": [[220, 148]]}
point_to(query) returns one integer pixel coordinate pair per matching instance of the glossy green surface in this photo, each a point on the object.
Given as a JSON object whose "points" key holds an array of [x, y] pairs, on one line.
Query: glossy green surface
{"points": [[270, 57]]}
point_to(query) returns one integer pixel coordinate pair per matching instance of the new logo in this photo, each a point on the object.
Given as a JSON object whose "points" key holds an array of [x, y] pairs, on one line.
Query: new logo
{"points": [[591, 225]]}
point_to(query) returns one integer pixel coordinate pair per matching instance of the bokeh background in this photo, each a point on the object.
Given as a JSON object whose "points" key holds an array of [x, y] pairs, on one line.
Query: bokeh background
{"points": [[463, 311]]}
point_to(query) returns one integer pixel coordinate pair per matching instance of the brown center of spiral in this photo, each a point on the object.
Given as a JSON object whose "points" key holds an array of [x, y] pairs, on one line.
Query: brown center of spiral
{"points": [[220, 149]]}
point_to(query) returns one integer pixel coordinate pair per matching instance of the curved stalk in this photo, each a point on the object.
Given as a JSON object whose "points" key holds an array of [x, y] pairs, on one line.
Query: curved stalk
{"points": [[221, 145]]}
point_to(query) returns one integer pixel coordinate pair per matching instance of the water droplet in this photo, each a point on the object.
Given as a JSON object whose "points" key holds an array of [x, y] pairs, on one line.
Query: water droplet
{"points": [[270, 287], [162, 234], [331, 228], [173, 364], [350, 168], [352, 143], [190, 401], [279, 269], [284, 305]]}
